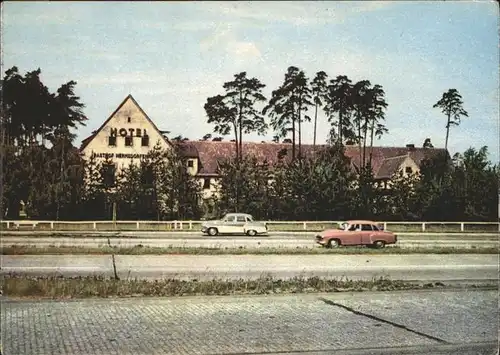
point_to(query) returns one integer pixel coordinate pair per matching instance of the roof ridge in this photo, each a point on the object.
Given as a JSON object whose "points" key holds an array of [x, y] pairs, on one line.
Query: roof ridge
{"points": [[397, 157]]}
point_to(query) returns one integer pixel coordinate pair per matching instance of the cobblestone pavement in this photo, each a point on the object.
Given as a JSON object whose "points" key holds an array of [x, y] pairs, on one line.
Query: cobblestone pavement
{"points": [[229, 325]]}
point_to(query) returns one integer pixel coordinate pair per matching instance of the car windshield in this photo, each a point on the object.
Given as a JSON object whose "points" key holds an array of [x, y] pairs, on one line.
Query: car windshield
{"points": [[343, 226]]}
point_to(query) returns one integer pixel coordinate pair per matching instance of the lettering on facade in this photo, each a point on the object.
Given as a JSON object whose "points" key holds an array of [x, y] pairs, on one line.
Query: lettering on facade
{"points": [[118, 155], [131, 132]]}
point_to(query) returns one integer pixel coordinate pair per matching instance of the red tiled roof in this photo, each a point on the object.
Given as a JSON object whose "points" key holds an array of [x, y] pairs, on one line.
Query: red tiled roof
{"points": [[210, 153]]}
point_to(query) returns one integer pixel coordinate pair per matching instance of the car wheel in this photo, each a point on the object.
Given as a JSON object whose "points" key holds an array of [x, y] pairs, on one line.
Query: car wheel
{"points": [[333, 243], [379, 244], [212, 231], [251, 232]]}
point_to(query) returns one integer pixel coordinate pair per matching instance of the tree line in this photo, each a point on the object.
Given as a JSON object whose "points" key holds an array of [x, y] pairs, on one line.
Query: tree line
{"points": [[354, 111], [44, 176], [43, 168], [324, 186], [463, 188]]}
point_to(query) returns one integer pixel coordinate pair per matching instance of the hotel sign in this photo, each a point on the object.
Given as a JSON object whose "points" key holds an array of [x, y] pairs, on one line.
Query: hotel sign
{"points": [[131, 132]]}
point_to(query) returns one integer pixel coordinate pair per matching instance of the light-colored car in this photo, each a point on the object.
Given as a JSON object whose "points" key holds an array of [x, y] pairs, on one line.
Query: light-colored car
{"points": [[356, 232], [234, 223]]}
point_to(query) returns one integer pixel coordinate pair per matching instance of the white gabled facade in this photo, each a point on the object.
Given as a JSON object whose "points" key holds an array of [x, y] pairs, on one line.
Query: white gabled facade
{"points": [[127, 135]]}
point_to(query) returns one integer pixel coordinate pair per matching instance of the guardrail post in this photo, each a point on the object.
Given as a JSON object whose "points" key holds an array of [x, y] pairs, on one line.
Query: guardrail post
{"points": [[423, 226], [137, 224], [305, 226], [51, 225], [385, 225], [95, 226], [190, 225], [461, 227]]}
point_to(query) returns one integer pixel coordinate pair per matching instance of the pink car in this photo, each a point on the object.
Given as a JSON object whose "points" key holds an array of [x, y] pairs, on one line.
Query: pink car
{"points": [[356, 232]]}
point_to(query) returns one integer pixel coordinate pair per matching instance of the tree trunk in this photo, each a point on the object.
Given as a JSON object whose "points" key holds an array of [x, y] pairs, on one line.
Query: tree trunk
{"points": [[447, 133], [236, 142], [365, 132], [315, 123], [293, 133], [340, 125], [371, 141], [360, 146], [61, 177], [300, 134], [240, 119]]}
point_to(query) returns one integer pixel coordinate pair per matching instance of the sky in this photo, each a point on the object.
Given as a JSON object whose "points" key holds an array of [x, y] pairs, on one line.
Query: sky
{"points": [[172, 56]]}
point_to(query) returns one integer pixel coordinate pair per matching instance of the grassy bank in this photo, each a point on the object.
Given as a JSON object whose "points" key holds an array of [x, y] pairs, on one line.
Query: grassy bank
{"points": [[140, 250], [85, 287]]}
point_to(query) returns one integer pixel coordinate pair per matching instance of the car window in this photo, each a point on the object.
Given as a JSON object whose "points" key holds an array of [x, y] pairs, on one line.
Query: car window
{"points": [[230, 218], [375, 228], [353, 227], [240, 219], [366, 227]]}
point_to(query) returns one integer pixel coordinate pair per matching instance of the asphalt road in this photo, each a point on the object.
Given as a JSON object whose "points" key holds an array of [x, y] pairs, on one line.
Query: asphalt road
{"points": [[273, 241], [416, 322], [419, 267]]}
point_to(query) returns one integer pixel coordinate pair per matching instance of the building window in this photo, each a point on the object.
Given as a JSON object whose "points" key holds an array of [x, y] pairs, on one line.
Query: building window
{"points": [[190, 163], [409, 170], [128, 141], [108, 175], [129, 119], [145, 141], [112, 141], [206, 183]]}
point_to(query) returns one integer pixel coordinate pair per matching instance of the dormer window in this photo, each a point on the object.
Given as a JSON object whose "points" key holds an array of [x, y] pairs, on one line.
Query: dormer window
{"points": [[112, 141], [190, 163], [145, 141], [129, 119], [128, 141], [408, 170]]}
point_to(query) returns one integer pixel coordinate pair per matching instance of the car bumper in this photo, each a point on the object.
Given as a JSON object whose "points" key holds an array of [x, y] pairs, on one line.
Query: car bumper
{"points": [[319, 240]]}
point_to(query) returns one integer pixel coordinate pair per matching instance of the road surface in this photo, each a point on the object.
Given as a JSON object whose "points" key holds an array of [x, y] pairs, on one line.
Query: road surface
{"points": [[420, 267], [416, 322], [273, 241]]}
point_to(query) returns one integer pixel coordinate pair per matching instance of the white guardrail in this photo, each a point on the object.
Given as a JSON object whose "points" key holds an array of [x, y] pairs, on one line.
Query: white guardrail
{"points": [[427, 226]]}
